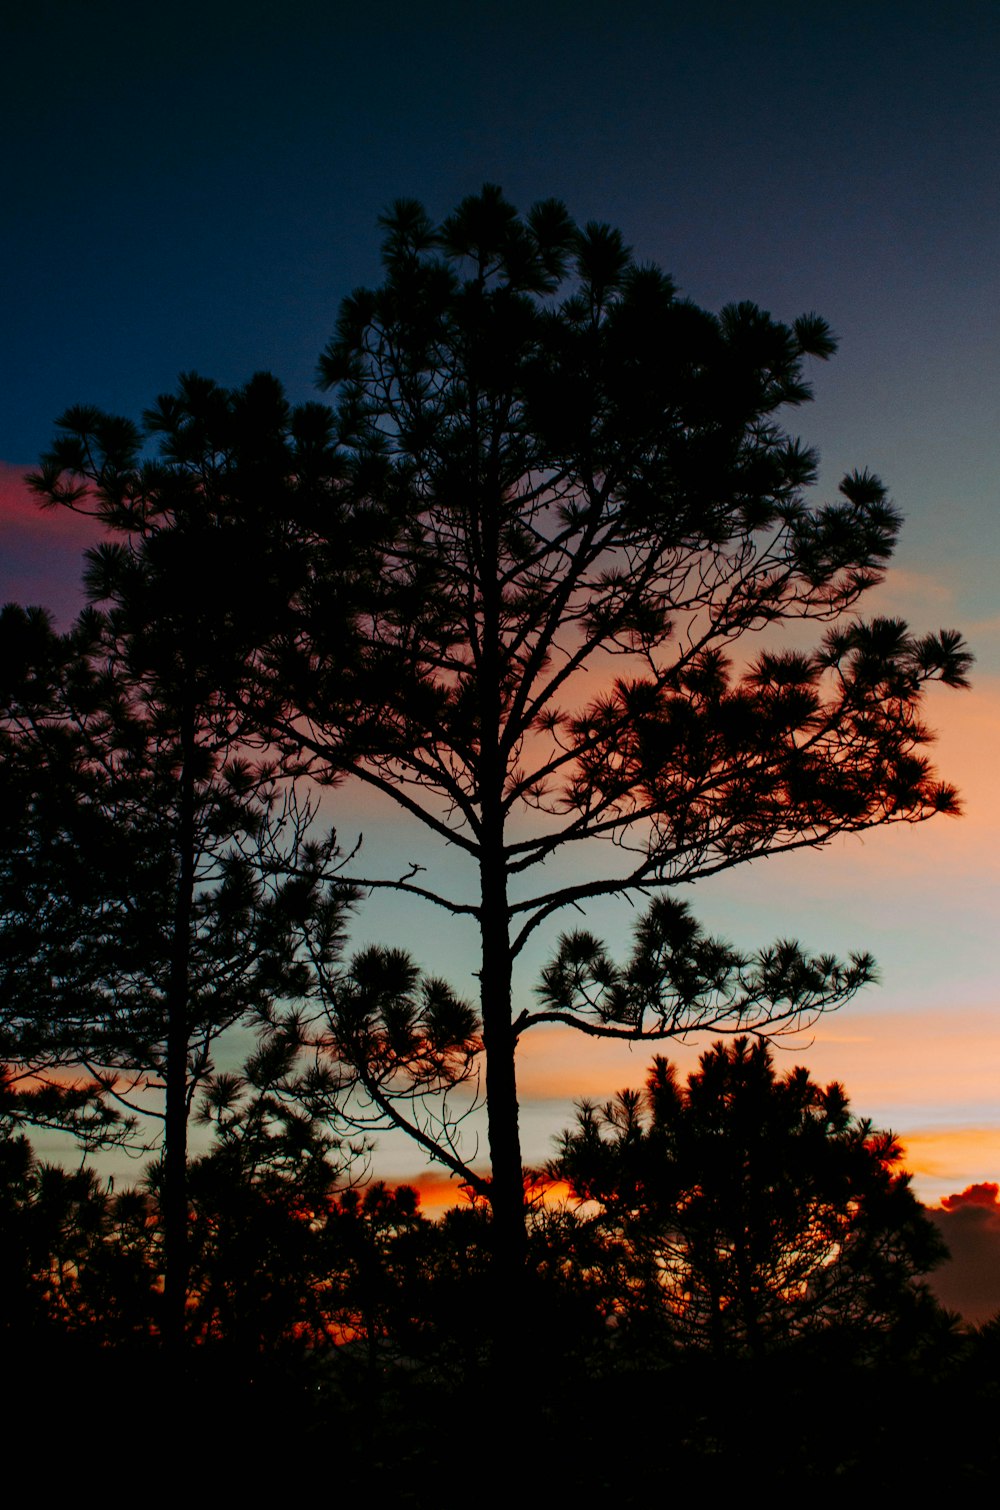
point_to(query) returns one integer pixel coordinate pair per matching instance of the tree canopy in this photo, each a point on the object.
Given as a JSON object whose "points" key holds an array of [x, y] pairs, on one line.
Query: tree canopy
{"points": [[746, 1209], [573, 506], [141, 918], [514, 581]]}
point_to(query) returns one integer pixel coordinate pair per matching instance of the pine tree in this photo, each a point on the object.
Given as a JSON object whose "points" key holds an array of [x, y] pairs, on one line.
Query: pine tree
{"points": [[741, 1210], [147, 907], [570, 506]]}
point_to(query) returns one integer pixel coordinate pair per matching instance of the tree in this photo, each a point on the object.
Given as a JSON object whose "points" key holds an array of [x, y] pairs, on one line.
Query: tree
{"points": [[77, 1259], [569, 506], [742, 1210], [137, 927], [137, 860], [261, 1202]]}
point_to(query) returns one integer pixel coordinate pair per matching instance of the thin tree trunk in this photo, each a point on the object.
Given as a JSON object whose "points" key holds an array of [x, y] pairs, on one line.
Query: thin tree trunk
{"points": [[175, 1214]]}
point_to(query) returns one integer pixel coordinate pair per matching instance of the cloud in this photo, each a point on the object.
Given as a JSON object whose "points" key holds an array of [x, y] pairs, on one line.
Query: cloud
{"points": [[983, 1194], [966, 728], [41, 549], [22, 517], [438, 1192], [890, 1063], [18, 508], [969, 1222], [974, 628], [908, 591], [558, 1064], [938, 1157]]}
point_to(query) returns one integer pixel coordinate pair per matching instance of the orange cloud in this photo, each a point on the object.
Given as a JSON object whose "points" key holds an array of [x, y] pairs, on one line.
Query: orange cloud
{"points": [[901, 1070], [984, 1194], [967, 729], [558, 1064], [939, 1157], [882, 1058], [929, 1055], [438, 1192]]}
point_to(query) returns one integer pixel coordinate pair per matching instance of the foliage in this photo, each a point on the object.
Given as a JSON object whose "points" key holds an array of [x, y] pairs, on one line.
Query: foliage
{"points": [[396, 1048], [679, 980], [742, 1210], [146, 902], [568, 498], [76, 1258], [512, 582], [94, 855]]}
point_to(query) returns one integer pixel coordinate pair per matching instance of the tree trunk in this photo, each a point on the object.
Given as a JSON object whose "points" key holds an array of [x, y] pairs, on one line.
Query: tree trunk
{"points": [[501, 1084], [507, 1192], [175, 1214]]}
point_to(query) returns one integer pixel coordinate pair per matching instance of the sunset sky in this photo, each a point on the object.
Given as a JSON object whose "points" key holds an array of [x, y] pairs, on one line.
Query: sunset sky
{"points": [[196, 187]]}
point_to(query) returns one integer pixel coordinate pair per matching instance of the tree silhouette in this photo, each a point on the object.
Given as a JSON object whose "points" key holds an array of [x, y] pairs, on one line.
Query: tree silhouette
{"points": [[741, 1210], [568, 501], [78, 1259], [147, 829], [261, 1202], [45, 890]]}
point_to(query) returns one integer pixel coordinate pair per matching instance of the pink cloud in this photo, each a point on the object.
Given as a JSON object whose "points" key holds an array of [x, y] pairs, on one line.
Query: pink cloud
{"points": [[909, 592], [21, 515], [18, 509], [40, 550]]}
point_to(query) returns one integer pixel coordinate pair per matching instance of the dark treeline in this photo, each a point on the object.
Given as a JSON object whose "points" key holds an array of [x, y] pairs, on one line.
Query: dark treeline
{"points": [[736, 1278], [510, 581]]}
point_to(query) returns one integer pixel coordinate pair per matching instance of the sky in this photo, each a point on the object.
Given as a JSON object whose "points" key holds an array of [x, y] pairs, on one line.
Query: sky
{"points": [[196, 187]]}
